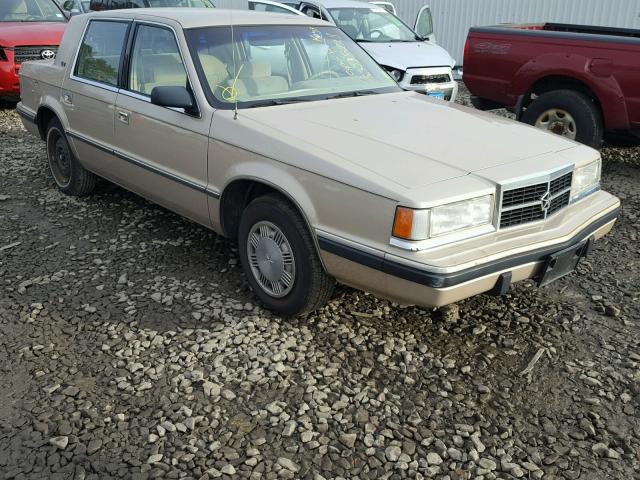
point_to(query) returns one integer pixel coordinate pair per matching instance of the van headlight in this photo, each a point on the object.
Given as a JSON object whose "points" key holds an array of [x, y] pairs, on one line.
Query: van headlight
{"points": [[586, 179], [421, 224]]}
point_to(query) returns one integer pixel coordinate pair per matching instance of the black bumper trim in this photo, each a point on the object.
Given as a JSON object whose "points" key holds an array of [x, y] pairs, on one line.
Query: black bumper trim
{"points": [[26, 115], [443, 280], [176, 178]]}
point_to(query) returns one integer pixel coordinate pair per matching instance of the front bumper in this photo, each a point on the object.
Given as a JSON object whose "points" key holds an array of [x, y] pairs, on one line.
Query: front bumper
{"points": [[9, 80], [431, 80], [410, 282]]}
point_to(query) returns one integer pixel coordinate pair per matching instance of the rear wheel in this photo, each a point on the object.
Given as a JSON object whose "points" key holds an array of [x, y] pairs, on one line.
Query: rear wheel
{"points": [[70, 176], [567, 113], [279, 257]]}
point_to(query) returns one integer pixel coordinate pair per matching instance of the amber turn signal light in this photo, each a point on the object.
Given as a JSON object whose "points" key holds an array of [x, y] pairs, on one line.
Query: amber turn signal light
{"points": [[403, 223]]}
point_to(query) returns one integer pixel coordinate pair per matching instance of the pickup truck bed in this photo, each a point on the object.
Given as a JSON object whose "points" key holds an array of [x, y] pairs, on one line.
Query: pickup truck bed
{"points": [[575, 80]]}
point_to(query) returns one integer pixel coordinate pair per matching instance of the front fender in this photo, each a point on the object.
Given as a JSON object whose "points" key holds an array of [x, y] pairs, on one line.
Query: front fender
{"points": [[586, 70], [244, 165]]}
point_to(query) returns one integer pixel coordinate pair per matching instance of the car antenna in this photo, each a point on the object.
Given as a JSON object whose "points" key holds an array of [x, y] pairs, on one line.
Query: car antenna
{"points": [[235, 72]]}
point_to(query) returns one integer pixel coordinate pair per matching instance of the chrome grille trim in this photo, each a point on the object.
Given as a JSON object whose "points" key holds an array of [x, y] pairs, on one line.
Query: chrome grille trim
{"points": [[433, 78], [31, 52], [534, 199]]}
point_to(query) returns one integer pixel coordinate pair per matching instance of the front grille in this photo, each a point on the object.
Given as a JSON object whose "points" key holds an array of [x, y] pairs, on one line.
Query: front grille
{"points": [[528, 194], [559, 202], [527, 204], [424, 79], [522, 215], [25, 54], [561, 183]]}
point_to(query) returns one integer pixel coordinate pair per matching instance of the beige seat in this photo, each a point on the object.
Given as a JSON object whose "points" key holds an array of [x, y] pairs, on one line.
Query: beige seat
{"points": [[159, 70], [255, 80], [214, 70]]}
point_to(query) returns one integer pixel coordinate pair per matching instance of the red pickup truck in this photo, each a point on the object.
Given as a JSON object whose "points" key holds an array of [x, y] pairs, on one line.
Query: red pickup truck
{"points": [[573, 80]]}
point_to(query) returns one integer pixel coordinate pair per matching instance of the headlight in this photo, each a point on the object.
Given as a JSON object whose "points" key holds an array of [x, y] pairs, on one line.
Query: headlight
{"points": [[411, 224], [586, 178], [395, 74]]}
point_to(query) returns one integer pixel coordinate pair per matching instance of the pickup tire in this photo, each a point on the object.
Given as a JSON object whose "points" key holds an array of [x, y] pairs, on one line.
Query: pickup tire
{"points": [[583, 122], [279, 257], [71, 178]]}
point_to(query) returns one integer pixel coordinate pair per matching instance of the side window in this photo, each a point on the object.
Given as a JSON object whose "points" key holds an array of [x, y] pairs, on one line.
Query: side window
{"points": [[310, 11], [100, 52], [276, 9], [258, 7], [155, 61], [116, 4]]}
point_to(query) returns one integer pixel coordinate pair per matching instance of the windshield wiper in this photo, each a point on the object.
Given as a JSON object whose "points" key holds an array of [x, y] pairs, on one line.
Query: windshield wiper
{"points": [[278, 101], [355, 93]]}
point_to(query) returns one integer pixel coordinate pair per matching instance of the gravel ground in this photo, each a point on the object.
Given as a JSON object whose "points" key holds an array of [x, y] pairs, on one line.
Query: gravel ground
{"points": [[131, 347]]}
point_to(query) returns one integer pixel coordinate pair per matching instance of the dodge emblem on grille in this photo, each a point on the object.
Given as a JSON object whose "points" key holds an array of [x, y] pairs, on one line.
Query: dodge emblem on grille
{"points": [[545, 201], [48, 54]]}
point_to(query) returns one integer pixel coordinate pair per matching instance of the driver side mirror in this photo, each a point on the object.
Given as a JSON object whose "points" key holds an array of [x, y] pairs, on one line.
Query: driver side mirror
{"points": [[174, 97]]}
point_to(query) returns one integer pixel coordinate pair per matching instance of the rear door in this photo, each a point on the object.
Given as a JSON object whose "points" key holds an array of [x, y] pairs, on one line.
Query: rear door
{"points": [[424, 24], [161, 152], [89, 92]]}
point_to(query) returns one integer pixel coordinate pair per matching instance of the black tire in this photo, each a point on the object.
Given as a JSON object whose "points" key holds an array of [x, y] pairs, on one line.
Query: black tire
{"points": [[585, 113], [70, 177], [311, 287]]}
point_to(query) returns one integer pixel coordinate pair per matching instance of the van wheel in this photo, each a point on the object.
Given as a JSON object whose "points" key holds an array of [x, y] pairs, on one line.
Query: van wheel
{"points": [[568, 113], [279, 258], [70, 177]]}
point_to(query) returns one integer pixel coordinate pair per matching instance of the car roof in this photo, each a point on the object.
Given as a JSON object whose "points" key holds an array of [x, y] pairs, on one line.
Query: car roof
{"points": [[209, 17]]}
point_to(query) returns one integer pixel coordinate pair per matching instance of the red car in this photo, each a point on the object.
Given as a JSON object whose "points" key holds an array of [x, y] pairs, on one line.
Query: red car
{"points": [[29, 30], [574, 80]]}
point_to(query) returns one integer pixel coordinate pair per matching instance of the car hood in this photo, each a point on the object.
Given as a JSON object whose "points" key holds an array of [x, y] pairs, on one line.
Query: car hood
{"points": [[403, 55], [13, 34], [408, 138]]}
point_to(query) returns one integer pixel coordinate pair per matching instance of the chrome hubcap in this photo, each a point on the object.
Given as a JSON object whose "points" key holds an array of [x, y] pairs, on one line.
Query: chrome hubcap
{"points": [[271, 259], [558, 121]]}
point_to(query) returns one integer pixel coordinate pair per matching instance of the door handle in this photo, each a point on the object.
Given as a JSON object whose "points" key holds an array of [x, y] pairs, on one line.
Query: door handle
{"points": [[123, 117]]}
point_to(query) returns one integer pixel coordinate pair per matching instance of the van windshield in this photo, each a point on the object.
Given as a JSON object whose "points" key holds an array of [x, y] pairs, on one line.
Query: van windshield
{"points": [[30, 11], [372, 25], [274, 64]]}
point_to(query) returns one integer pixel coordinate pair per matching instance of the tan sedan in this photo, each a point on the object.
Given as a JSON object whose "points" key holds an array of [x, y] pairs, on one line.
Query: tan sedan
{"points": [[278, 130]]}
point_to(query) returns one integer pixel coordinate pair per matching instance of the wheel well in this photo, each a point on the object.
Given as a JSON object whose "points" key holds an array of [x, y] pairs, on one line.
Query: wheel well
{"points": [[558, 82], [237, 195], [43, 118]]}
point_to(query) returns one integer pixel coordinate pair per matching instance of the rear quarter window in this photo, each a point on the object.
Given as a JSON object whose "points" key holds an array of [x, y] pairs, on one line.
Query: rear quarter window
{"points": [[101, 51]]}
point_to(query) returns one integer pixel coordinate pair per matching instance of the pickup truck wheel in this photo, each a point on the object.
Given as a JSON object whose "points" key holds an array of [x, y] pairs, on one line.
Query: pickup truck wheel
{"points": [[70, 177], [279, 258], [568, 113]]}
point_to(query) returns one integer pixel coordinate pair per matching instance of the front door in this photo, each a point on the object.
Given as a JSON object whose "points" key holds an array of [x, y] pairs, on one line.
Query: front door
{"points": [[424, 24], [161, 152], [89, 92]]}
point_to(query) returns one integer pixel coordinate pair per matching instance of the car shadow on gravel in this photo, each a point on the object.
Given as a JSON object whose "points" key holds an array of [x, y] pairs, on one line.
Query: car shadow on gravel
{"points": [[7, 105]]}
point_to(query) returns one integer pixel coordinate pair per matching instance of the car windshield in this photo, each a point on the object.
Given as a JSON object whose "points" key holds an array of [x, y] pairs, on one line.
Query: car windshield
{"points": [[372, 25], [181, 3], [30, 11], [274, 64]]}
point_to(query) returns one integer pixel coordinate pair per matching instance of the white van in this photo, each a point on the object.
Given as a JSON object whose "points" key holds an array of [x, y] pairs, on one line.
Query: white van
{"points": [[413, 59]]}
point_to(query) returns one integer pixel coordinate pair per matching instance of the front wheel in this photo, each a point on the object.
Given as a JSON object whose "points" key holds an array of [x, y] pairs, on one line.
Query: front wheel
{"points": [[279, 258], [567, 113]]}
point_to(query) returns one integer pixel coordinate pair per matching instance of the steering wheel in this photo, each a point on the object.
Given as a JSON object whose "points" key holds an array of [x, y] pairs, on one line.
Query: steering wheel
{"points": [[378, 34], [330, 73]]}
